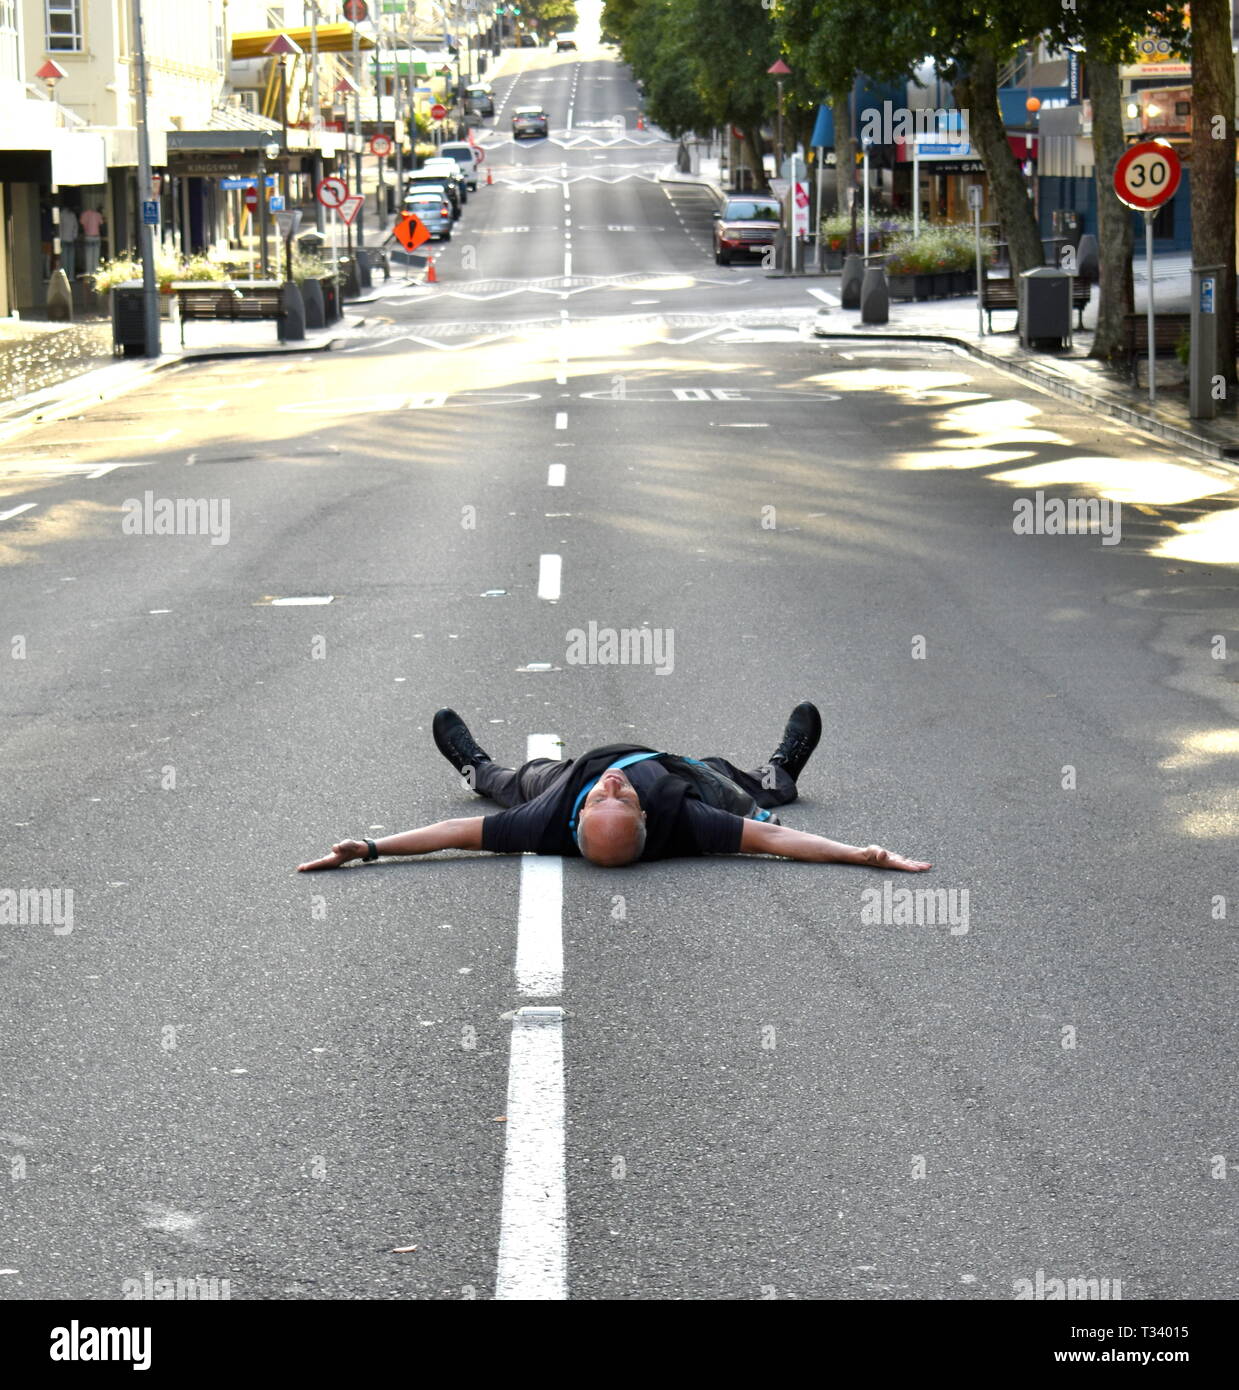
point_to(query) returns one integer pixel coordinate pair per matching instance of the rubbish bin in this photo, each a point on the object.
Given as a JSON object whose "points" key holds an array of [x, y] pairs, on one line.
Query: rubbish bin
{"points": [[128, 319], [331, 298], [1045, 307], [311, 243]]}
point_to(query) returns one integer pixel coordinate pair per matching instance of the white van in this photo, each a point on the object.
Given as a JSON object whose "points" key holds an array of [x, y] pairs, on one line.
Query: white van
{"points": [[466, 156]]}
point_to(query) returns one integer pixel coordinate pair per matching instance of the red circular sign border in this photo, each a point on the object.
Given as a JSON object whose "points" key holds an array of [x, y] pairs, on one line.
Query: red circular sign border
{"points": [[1129, 157]]}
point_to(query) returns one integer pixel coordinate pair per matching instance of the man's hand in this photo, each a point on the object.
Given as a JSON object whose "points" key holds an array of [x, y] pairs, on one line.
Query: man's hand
{"points": [[881, 858], [340, 854]]}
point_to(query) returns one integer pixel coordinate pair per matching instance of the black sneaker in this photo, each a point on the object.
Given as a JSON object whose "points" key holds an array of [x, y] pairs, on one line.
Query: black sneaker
{"points": [[800, 738], [455, 742]]}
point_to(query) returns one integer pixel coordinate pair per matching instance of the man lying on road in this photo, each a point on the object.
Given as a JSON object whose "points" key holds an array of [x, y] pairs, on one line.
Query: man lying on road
{"points": [[625, 802]]}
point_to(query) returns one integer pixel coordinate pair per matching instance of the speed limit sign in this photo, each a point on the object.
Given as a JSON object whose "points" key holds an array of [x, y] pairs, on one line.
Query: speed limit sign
{"points": [[1147, 175], [381, 145]]}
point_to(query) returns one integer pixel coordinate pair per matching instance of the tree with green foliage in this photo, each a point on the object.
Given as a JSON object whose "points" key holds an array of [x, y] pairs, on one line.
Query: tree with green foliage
{"points": [[702, 63]]}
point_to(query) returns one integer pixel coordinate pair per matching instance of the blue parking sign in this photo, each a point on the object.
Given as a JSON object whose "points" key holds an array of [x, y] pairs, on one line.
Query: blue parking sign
{"points": [[1207, 283], [150, 214]]}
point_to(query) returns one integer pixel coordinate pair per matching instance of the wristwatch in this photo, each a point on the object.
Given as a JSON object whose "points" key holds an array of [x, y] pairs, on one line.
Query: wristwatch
{"points": [[373, 854]]}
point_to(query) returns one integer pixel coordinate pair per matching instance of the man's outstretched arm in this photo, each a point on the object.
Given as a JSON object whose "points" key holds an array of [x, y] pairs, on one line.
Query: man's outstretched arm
{"points": [[759, 837], [465, 833]]}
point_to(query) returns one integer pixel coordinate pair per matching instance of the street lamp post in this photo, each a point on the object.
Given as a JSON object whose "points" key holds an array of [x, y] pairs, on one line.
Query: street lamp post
{"points": [[281, 47], [270, 151], [316, 115], [779, 70], [361, 211], [150, 290]]}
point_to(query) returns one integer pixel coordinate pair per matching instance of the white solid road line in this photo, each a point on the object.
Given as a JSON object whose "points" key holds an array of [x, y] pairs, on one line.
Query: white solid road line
{"points": [[533, 1223], [556, 475], [16, 511], [550, 568]]}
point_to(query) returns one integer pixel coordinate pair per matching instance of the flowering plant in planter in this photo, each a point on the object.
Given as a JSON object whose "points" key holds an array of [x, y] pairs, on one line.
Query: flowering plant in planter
{"points": [[168, 267]]}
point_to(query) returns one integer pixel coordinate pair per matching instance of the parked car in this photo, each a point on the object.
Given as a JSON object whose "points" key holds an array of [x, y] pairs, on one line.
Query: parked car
{"points": [[529, 41], [563, 42], [745, 226], [480, 100], [466, 155], [446, 167], [528, 120], [434, 211], [449, 188]]}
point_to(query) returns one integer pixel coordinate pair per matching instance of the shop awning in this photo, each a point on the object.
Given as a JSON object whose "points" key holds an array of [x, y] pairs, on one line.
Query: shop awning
{"points": [[332, 38]]}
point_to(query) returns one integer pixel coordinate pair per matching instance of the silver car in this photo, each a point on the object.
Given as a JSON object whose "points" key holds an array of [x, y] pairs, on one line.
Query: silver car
{"points": [[433, 210]]}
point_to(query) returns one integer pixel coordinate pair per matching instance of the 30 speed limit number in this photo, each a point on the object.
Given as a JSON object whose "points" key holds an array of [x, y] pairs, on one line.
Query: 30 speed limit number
{"points": [[1147, 175]]}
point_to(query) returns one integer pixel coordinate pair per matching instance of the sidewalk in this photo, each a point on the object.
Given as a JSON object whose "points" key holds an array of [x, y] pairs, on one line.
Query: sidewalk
{"points": [[1068, 372], [107, 376]]}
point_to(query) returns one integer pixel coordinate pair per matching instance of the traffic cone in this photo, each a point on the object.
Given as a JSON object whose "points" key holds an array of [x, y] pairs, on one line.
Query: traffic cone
{"points": [[490, 178], [431, 277], [640, 122]]}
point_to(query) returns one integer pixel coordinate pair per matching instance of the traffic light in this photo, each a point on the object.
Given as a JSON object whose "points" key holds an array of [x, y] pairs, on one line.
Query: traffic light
{"points": [[501, 9]]}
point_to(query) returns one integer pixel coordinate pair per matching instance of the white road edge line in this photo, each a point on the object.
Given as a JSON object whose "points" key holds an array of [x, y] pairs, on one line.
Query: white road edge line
{"points": [[533, 1222], [550, 571]]}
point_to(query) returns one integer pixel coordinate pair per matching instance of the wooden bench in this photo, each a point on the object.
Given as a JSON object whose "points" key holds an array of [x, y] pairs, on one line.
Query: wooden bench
{"points": [[1168, 329], [228, 300], [1004, 294]]}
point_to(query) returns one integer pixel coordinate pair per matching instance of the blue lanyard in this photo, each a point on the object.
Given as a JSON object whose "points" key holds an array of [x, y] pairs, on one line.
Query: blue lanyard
{"points": [[623, 762]]}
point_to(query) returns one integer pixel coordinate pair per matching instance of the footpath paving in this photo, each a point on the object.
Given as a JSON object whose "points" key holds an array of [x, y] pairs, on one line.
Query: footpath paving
{"points": [[1069, 372]]}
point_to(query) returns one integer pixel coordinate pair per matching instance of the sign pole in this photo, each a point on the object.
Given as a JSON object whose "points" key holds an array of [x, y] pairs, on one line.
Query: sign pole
{"points": [[1148, 260], [976, 221], [916, 187], [866, 177], [817, 226]]}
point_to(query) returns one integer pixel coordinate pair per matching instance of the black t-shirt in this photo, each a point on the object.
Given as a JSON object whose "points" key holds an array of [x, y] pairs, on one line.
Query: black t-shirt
{"points": [[541, 825]]}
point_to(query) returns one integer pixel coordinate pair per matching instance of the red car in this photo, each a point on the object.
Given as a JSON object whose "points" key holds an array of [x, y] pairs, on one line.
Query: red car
{"points": [[746, 226]]}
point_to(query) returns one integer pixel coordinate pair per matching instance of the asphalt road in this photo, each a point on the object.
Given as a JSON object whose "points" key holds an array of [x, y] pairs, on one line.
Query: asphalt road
{"points": [[229, 1070]]}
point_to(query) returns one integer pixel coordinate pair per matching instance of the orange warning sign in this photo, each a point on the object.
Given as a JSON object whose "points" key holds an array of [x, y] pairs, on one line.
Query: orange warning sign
{"points": [[410, 231]]}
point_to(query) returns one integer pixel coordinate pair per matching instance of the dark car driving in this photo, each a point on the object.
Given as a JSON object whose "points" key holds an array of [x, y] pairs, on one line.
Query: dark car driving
{"points": [[746, 226]]}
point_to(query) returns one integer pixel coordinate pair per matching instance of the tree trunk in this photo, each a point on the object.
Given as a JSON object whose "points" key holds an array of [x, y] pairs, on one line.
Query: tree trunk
{"points": [[1213, 165], [977, 93], [757, 162], [845, 147], [1114, 231]]}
